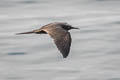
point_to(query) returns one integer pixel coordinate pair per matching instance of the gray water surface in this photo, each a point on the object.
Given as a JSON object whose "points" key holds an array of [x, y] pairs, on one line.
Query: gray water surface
{"points": [[95, 50]]}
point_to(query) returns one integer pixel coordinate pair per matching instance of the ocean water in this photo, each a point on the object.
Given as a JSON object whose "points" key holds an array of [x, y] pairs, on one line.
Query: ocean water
{"points": [[95, 49]]}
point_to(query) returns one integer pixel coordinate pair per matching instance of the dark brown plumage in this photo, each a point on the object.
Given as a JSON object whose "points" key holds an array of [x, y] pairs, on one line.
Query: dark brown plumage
{"points": [[59, 32]]}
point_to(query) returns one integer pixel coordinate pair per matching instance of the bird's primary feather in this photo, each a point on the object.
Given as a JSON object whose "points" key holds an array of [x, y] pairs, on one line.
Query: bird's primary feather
{"points": [[64, 44], [62, 39]]}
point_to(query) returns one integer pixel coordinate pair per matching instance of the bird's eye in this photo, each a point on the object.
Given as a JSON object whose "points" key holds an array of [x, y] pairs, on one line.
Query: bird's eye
{"points": [[66, 27], [69, 27]]}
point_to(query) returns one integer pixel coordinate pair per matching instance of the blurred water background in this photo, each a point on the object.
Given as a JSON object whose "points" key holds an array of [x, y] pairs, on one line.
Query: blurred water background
{"points": [[95, 50]]}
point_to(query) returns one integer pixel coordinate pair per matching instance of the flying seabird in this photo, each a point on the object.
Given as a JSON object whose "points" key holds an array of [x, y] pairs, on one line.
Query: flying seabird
{"points": [[59, 32]]}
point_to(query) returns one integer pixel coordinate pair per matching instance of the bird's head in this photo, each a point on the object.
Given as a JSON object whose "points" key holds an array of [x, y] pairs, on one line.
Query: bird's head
{"points": [[67, 26]]}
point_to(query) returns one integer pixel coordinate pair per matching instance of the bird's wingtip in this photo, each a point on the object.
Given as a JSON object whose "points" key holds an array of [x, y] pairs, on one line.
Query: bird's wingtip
{"points": [[30, 32], [65, 55], [17, 33]]}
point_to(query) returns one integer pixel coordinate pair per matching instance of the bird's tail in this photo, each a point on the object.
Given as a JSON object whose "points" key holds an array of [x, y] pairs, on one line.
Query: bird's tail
{"points": [[30, 32]]}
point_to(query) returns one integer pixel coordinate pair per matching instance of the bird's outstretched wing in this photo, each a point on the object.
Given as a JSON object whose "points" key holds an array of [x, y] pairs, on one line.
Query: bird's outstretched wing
{"points": [[64, 44], [62, 40]]}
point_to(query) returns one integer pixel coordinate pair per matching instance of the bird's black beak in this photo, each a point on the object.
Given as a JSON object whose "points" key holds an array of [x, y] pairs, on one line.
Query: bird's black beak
{"points": [[74, 28]]}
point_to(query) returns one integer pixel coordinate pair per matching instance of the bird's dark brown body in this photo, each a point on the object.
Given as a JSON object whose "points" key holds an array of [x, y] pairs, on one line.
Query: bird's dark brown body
{"points": [[59, 32]]}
